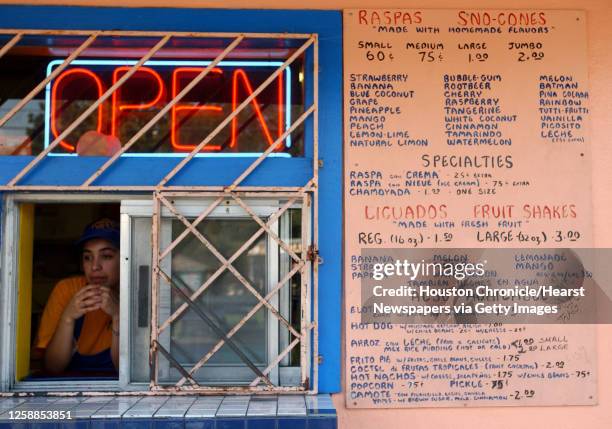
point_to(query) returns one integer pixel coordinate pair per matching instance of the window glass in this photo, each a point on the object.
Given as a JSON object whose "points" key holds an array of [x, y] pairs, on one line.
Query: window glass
{"points": [[24, 133], [291, 229], [224, 302], [140, 298], [143, 95]]}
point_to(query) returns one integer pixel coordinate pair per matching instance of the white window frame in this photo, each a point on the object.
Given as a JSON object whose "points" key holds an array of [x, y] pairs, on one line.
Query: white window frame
{"points": [[132, 206], [8, 305], [130, 210]]}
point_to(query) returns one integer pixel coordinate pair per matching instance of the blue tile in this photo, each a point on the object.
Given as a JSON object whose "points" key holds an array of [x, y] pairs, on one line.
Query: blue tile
{"points": [[261, 423], [319, 411], [50, 424], [323, 423], [136, 424], [5, 424], [169, 424], [230, 424], [105, 424], [199, 424], [294, 423], [75, 424], [320, 405]]}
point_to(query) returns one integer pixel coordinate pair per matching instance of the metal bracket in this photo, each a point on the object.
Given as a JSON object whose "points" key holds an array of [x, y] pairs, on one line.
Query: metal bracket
{"points": [[312, 254]]}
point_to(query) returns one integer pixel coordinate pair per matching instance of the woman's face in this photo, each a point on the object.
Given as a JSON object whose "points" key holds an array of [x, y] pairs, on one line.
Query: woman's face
{"points": [[101, 263]]}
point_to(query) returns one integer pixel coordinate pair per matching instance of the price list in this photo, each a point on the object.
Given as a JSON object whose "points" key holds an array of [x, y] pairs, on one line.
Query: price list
{"points": [[465, 129]]}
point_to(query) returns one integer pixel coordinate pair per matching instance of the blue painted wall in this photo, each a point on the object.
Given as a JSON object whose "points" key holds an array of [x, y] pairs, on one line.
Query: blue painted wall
{"points": [[207, 171]]}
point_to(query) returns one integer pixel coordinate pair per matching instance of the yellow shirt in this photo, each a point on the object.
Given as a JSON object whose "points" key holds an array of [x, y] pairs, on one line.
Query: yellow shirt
{"points": [[96, 334]]}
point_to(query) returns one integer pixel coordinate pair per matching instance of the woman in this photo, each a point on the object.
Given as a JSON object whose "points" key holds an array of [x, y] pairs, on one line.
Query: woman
{"points": [[79, 329]]}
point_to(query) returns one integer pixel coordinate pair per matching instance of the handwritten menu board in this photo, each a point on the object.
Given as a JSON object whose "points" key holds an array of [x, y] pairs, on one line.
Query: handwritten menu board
{"points": [[465, 129]]}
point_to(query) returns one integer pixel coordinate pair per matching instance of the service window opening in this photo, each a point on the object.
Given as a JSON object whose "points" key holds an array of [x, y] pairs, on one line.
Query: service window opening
{"points": [[65, 239], [53, 247]]}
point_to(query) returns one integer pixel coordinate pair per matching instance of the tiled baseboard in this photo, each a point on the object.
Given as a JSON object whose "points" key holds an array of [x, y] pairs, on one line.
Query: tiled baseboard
{"points": [[180, 412]]}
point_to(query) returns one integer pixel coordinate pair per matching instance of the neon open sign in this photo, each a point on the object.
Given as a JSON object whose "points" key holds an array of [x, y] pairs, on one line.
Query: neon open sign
{"points": [[188, 122]]}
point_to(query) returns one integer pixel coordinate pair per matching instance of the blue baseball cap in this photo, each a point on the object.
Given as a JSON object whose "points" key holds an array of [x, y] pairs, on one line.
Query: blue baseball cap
{"points": [[104, 228]]}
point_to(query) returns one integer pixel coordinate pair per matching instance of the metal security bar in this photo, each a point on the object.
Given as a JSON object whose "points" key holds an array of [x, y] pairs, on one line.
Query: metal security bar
{"points": [[164, 194], [164, 39], [301, 264]]}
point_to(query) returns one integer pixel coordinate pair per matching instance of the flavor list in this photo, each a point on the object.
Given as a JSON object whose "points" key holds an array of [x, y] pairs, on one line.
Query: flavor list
{"points": [[461, 130]]}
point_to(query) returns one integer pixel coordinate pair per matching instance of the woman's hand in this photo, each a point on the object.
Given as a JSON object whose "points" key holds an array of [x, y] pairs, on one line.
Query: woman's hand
{"points": [[85, 300], [62, 345], [109, 302]]}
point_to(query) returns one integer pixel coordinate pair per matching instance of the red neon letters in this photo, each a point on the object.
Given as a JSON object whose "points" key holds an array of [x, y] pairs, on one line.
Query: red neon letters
{"points": [[189, 73], [72, 75], [127, 99], [242, 75], [118, 107]]}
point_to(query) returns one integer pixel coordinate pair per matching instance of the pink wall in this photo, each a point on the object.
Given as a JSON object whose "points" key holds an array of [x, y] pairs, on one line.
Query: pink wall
{"points": [[599, 15]]}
